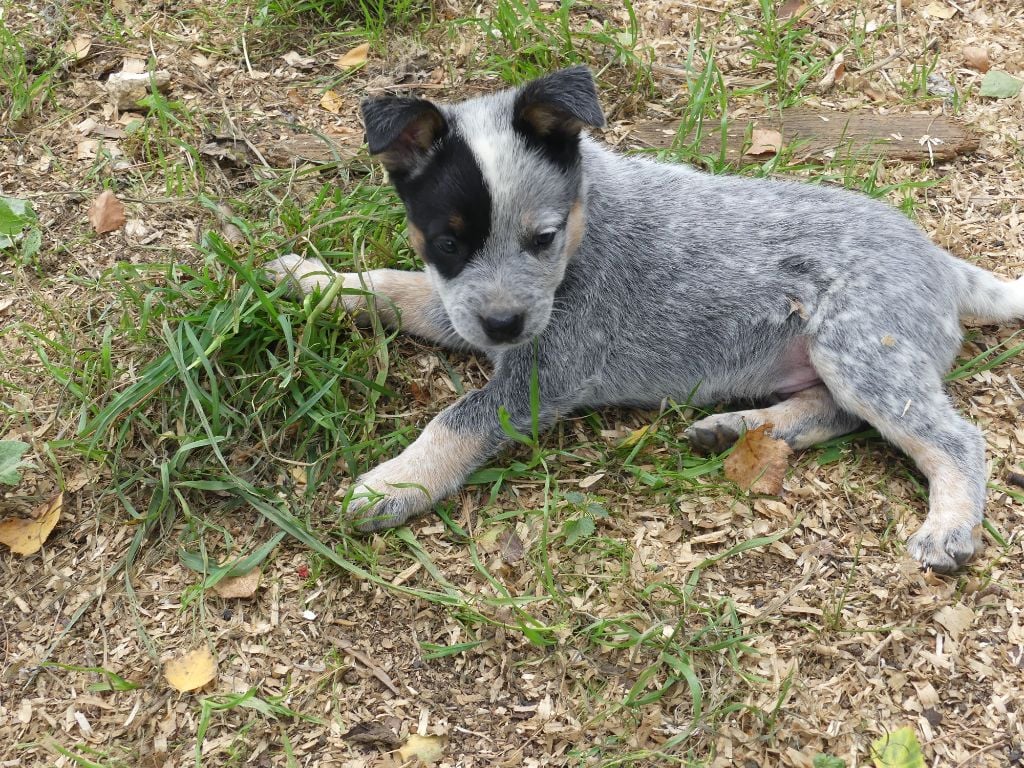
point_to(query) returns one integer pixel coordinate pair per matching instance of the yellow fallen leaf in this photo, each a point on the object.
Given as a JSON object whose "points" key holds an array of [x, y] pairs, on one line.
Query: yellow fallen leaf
{"points": [[331, 101], [939, 11], [427, 749], [191, 671], [764, 142], [26, 536], [635, 436], [353, 58], [239, 586], [758, 462]]}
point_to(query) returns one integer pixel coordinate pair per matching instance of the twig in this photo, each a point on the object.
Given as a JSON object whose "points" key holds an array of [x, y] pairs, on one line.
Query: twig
{"points": [[881, 63], [899, 22]]}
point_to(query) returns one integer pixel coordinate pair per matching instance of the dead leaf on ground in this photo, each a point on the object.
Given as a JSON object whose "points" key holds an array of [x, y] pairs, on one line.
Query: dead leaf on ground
{"points": [[298, 61], [226, 150], [955, 618], [228, 228], [191, 671], [239, 586], [791, 8], [764, 141], [427, 749], [331, 101], [512, 549], [353, 58], [758, 462], [939, 11], [78, 47], [27, 536], [976, 58], [106, 213], [133, 65], [371, 734]]}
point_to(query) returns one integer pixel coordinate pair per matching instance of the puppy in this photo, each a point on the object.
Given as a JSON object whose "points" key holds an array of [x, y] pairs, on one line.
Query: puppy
{"points": [[624, 281]]}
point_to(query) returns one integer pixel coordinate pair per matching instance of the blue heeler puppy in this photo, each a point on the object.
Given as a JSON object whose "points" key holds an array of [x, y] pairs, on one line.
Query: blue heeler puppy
{"points": [[639, 280]]}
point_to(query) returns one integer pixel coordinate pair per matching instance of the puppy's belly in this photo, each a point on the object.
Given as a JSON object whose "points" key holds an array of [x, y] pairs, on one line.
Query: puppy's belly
{"points": [[794, 370]]}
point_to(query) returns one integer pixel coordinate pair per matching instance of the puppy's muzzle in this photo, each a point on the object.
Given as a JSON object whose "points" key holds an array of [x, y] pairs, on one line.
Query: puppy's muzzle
{"points": [[503, 327]]}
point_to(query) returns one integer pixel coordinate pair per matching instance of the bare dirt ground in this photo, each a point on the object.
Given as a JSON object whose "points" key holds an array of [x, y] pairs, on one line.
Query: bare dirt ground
{"points": [[818, 642]]}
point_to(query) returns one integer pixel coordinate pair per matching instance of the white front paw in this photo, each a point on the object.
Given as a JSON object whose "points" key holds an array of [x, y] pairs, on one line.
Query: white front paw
{"points": [[385, 498], [304, 275]]}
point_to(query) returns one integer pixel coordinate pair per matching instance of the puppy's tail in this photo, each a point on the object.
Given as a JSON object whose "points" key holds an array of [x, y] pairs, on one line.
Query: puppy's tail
{"points": [[988, 299]]}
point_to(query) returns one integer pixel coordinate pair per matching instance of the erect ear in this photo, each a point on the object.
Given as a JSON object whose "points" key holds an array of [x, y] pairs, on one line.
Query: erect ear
{"points": [[401, 131], [559, 105]]}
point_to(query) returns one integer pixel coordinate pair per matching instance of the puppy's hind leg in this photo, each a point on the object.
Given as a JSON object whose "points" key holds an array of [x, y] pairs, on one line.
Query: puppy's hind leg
{"points": [[900, 393], [806, 418]]}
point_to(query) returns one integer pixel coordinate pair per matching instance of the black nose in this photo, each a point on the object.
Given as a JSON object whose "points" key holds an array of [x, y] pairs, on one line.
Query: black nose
{"points": [[503, 327]]}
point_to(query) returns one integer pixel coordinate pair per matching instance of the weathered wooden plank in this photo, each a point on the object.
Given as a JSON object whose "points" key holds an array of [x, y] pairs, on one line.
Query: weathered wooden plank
{"points": [[820, 132]]}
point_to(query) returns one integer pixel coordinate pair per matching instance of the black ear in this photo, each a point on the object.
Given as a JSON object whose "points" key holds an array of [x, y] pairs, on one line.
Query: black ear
{"points": [[558, 106], [401, 131]]}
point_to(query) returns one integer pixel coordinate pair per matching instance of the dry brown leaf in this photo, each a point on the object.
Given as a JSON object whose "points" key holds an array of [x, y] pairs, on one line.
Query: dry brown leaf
{"points": [[106, 213], [353, 58], [87, 149], [791, 8], [758, 463], [939, 11], [331, 101], [191, 671], [764, 141], [122, 6], [371, 734], [955, 618], [976, 58], [239, 586], [78, 47], [512, 549], [426, 749], [26, 536]]}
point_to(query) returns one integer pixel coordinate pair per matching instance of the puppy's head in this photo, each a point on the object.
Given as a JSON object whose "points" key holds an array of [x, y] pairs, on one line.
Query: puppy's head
{"points": [[494, 192]]}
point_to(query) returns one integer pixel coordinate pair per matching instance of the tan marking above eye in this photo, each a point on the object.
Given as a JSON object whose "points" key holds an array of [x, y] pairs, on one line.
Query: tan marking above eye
{"points": [[416, 239], [457, 223]]}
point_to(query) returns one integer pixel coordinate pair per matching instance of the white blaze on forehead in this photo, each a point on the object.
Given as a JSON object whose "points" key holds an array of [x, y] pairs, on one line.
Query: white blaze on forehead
{"points": [[487, 140]]}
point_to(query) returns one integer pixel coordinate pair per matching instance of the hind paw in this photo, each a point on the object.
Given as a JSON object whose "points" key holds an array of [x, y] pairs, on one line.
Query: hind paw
{"points": [[945, 550], [716, 433]]}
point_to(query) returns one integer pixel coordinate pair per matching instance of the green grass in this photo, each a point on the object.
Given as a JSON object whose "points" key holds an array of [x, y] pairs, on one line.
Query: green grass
{"points": [[523, 41], [28, 74], [787, 49]]}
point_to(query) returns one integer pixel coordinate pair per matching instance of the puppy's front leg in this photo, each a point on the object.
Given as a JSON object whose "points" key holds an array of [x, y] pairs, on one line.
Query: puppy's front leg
{"points": [[402, 299], [456, 442], [435, 466]]}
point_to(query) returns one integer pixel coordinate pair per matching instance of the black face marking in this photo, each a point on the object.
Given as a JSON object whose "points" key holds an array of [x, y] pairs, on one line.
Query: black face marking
{"points": [[449, 202]]}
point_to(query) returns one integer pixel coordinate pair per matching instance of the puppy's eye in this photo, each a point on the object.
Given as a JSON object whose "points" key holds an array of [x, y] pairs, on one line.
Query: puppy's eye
{"points": [[543, 239], [446, 245]]}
